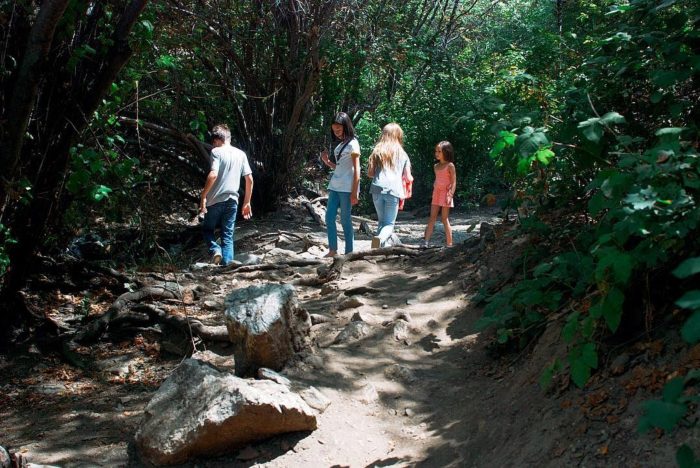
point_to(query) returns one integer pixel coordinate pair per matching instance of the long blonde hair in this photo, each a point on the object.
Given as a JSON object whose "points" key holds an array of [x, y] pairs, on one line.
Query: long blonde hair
{"points": [[387, 149]]}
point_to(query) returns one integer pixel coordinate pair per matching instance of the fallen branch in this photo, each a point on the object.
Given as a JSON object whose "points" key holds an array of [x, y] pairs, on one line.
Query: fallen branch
{"points": [[268, 266], [314, 214]]}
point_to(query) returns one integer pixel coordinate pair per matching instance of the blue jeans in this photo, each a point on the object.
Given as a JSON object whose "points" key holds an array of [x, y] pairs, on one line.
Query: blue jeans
{"points": [[387, 207], [342, 200], [223, 216]]}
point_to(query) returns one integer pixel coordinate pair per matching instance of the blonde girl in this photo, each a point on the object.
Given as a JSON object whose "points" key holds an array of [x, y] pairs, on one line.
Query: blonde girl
{"points": [[388, 167], [443, 191]]}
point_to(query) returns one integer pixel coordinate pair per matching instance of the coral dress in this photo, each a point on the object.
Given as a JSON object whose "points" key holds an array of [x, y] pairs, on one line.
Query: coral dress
{"points": [[440, 193]]}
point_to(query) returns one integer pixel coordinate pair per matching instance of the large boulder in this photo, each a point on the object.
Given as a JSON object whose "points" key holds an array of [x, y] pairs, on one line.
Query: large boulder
{"points": [[266, 326], [201, 411]]}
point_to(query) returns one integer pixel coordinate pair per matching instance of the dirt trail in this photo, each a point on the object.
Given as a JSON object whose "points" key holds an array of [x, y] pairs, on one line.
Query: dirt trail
{"points": [[426, 396]]}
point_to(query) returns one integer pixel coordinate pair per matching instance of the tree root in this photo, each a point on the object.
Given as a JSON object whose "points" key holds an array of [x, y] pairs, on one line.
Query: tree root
{"points": [[336, 268], [93, 330], [186, 324]]}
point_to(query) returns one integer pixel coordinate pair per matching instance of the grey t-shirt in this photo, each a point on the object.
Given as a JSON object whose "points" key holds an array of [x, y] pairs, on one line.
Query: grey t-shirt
{"points": [[341, 181], [230, 164], [388, 180]]}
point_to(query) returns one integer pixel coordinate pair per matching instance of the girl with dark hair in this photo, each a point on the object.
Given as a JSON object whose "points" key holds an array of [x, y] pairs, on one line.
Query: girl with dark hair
{"points": [[443, 191], [344, 186]]}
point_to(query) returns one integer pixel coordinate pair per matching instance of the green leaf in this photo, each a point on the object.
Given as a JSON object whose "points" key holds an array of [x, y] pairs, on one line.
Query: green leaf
{"points": [[592, 129], [689, 267], [666, 78], [100, 192], [670, 131], [580, 372], [530, 141], [147, 25], [673, 389], [612, 308], [569, 331], [508, 137], [524, 165], [691, 328], [685, 457], [620, 263], [612, 118], [690, 300], [661, 414], [589, 355], [544, 155], [498, 147]]}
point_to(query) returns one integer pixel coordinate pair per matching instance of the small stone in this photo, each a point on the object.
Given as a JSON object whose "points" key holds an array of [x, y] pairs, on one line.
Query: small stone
{"points": [[432, 324], [392, 412], [401, 330], [368, 394], [328, 289], [411, 301], [385, 306], [409, 412], [350, 303], [268, 374], [211, 304], [315, 399]]}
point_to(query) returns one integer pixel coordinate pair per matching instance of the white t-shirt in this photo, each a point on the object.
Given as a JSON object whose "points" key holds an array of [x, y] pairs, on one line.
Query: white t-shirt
{"points": [[341, 180], [388, 180], [230, 164]]}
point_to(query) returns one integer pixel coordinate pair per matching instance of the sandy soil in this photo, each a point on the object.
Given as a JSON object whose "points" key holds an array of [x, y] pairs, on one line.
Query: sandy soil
{"points": [[433, 397]]}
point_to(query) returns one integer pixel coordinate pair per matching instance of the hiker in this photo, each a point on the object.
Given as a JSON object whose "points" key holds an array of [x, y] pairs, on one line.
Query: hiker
{"points": [[389, 168], [344, 186], [219, 201], [443, 192]]}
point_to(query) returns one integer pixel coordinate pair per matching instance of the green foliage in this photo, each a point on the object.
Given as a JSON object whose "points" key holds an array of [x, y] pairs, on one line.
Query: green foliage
{"points": [[638, 165], [5, 241]]}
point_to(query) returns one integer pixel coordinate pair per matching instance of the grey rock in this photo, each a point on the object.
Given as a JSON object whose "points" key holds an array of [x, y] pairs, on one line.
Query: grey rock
{"points": [[353, 331], [201, 411], [368, 394], [350, 303], [399, 372], [362, 316], [315, 399], [266, 326], [401, 330], [211, 304], [249, 259], [269, 374]]}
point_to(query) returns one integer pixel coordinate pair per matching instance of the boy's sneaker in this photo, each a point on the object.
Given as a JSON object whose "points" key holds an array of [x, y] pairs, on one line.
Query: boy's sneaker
{"points": [[216, 259], [424, 244], [376, 242]]}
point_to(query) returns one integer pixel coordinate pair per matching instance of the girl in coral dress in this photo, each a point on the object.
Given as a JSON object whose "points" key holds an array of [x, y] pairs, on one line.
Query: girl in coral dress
{"points": [[443, 191]]}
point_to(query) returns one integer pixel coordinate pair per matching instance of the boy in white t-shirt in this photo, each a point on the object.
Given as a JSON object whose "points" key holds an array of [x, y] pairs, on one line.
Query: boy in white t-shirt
{"points": [[219, 201]]}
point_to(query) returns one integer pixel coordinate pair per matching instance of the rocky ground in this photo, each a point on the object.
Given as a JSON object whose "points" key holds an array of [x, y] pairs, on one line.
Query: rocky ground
{"points": [[414, 384]]}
